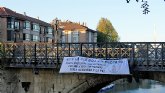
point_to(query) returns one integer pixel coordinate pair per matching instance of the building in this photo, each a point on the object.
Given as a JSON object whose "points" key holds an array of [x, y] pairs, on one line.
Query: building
{"points": [[15, 27], [75, 32]]}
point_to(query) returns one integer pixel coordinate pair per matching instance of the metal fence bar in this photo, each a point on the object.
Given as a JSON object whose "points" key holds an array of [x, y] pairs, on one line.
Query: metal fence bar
{"points": [[57, 55], [106, 51], [24, 54], [69, 50], [93, 49], [120, 51], [46, 54], [81, 49], [147, 56], [132, 55], [162, 55], [35, 55]]}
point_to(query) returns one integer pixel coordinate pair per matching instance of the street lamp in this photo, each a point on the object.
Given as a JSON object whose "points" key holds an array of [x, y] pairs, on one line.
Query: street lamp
{"points": [[55, 23], [55, 26]]}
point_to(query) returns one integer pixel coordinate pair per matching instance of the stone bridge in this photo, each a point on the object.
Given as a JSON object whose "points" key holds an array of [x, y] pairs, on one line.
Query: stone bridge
{"points": [[34, 67]]}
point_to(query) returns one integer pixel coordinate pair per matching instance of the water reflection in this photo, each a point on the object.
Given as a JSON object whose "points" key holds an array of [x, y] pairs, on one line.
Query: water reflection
{"points": [[144, 86]]}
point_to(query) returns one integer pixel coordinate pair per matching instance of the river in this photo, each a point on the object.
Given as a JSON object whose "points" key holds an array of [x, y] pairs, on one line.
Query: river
{"points": [[144, 86]]}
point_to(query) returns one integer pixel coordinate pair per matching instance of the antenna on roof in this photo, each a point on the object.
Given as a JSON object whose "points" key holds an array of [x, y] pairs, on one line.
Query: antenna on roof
{"points": [[85, 24], [24, 13]]}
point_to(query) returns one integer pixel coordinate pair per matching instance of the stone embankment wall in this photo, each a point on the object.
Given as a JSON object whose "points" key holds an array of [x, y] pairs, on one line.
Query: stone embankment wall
{"points": [[47, 81], [14, 80]]}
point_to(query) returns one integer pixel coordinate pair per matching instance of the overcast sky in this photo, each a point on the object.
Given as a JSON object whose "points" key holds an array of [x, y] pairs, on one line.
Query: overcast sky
{"points": [[128, 20]]}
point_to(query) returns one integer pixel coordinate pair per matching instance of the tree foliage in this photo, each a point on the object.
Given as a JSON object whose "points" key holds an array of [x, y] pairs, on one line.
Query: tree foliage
{"points": [[106, 31]]}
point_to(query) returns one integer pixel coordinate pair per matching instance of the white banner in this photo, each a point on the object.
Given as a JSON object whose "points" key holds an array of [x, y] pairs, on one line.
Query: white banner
{"points": [[93, 65]]}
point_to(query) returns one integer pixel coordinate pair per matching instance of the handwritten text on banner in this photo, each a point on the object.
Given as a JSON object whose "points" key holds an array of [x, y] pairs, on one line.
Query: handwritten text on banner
{"points": [[93, 65]]}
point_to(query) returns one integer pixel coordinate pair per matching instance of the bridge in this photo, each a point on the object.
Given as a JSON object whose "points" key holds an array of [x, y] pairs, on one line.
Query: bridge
{"points": [[34, 67]]}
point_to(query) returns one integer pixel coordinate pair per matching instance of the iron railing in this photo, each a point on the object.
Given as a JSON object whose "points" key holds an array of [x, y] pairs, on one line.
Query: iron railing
{"points": [[146, 56]]}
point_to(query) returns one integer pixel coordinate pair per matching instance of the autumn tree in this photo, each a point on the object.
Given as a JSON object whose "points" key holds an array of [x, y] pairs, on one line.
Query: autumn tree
{"points": [[106, 31]]}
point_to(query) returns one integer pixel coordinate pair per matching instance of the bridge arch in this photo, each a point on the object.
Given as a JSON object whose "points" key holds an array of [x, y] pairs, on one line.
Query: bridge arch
{"points": [[94, 83]]}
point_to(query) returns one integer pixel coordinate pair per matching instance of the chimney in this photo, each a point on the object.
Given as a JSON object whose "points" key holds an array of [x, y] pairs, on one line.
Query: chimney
{"points": [[38, 17], [24, 13], [83, 23]]}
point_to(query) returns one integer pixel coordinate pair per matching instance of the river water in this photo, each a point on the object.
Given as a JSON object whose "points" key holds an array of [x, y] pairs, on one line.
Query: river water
{"points": [[144, 86]]}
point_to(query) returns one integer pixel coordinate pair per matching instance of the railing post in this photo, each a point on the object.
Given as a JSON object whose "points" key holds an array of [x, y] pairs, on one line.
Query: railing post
{"points": [[120, 51], [162, 55], [81, 49], [132, 61], [147, 55], [106, 51], [93, 49], [35, 69], [14, 48], [133, 53], [69, 50], [57, 53], [3, 55], [35, 55], [4, 51], [24, 55], [46, 54]]}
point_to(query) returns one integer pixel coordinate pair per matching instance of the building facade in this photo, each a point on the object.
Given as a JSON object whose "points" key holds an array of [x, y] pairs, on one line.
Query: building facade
{"points": [[15, 27], [71, 32]]}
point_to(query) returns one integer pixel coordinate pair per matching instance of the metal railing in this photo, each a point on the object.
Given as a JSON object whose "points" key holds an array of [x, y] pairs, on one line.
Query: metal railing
{"points": [[146, 56]]}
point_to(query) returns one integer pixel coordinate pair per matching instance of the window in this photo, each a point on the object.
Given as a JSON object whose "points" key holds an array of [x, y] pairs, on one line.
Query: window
{"points": [[16, 25], [90, 36], [41, 30], [45, 30], [35, 38], [75, 37], [50, 30], [10, 22], [10, 35], [26, 37], [26, 25], [36, 27], [63, 36]]}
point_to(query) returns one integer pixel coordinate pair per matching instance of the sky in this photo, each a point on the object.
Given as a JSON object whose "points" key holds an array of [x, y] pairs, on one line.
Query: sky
{"points": [[127, 18]]}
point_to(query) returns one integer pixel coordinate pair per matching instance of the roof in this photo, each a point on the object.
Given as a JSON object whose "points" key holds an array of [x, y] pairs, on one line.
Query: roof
{"points": [[68, 25], [5, 12]]}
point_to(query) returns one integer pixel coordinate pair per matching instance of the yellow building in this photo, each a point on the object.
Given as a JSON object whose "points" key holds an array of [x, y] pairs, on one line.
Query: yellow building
{"points": [[75, 32]]}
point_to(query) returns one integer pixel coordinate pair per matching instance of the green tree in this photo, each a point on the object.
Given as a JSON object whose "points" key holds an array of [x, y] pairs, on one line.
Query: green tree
{"points": [[106, 31]]}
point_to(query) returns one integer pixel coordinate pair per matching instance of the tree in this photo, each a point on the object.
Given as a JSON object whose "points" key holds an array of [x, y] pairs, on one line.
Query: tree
{"points": [[106, 31]]}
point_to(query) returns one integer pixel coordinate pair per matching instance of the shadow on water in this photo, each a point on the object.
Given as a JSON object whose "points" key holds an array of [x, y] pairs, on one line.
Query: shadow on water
{"points": [[144, 86]]}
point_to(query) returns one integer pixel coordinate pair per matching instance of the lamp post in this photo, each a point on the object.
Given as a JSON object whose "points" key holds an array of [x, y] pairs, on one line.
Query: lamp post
{"points": [[55, 26], [55, 23]]}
